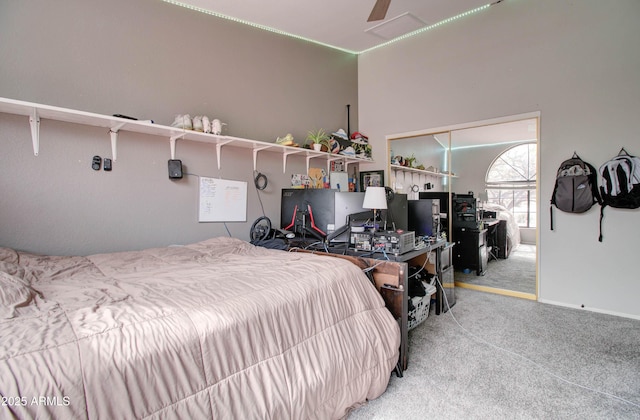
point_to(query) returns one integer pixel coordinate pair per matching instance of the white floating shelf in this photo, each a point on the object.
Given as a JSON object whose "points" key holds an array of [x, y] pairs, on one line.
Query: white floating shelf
{"points": [[35, 112], [420, 171]]}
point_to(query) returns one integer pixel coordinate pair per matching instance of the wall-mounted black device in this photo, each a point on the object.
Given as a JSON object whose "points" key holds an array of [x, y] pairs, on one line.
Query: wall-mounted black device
{"points": [[107, 164], [175, 169], [96, 163]]}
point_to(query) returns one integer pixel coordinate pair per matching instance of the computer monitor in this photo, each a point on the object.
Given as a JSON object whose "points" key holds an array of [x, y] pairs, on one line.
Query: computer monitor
{"points": [[331, 209], [346, 204], [424, 217], [306, 212], [327, 209], [396, 215]]}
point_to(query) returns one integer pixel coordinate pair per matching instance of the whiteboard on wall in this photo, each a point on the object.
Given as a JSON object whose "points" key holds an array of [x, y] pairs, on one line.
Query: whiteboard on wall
{"points": [[222, 200], [339, 181]]}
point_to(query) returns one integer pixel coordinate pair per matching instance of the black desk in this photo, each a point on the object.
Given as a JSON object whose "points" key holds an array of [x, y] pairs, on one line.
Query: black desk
{"points": [[407, 256], [440, 266]]}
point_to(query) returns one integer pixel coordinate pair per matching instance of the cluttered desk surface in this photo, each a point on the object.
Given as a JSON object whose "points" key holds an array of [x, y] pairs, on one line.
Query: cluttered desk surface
{"points": [[422, 247]]}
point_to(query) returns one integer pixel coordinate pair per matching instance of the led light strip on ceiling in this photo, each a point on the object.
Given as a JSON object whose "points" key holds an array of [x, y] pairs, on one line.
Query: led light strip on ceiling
{"points": [[280, 32], [473, 146], [427, 28], [255, 25]]}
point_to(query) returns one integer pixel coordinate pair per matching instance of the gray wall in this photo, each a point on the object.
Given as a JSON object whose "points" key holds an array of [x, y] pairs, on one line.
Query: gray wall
{"points": [[577, 63], [152, 60]]}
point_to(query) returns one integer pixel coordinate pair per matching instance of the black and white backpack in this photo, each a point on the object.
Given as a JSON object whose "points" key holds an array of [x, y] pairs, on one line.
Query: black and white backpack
{"points": [[619, 183], [576, 188]]}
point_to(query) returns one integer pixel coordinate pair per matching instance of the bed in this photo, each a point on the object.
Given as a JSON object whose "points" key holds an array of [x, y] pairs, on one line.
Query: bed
{"points": [[215, 329], [512, 229]]}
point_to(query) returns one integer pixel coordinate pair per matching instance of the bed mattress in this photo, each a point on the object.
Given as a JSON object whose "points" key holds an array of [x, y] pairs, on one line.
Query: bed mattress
{"points": [[217, 329]]}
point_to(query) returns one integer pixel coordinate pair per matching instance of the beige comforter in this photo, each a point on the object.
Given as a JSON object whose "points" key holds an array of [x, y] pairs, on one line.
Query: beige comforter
{"points": [[218, 329]]}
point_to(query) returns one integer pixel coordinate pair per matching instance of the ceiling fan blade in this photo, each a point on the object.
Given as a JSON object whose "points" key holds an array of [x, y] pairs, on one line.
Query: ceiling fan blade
{"points": [[379, 10]]}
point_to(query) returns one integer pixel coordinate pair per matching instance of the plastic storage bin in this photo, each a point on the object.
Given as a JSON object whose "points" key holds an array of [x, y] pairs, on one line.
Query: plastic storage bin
{"points": [[421, 306]]}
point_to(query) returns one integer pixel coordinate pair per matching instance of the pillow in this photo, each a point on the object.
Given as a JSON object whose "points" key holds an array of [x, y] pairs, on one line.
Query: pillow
{"points": [[8, 255], [14, 294], [13, 269]]}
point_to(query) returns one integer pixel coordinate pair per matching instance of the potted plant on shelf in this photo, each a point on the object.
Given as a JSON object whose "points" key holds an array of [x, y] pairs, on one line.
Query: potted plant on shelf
{"points": [[411, 160], [318, 139]]}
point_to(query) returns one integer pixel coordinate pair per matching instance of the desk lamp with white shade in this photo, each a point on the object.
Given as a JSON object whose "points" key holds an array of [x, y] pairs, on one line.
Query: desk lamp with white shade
{"points": [[375, 198]]}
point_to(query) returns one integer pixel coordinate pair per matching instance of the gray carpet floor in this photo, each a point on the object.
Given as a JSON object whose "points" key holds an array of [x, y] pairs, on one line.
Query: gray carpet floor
{"points": [[517, 273], [500, 357]]}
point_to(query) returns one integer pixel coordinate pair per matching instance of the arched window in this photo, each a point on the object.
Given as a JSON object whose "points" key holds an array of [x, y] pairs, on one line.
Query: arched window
{"points": [[511, 182]]}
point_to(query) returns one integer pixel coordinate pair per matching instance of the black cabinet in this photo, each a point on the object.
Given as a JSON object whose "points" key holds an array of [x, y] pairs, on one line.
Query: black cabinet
{"points": [[470, 251], [502, 244]]}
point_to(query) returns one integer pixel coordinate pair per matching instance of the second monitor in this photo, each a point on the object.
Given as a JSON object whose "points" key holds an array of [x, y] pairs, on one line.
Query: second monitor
{"points": [[424, 217]]}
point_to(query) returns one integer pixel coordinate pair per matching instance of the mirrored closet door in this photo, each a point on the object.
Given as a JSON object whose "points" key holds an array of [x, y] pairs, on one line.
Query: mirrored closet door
{"points": [[485, 178]]}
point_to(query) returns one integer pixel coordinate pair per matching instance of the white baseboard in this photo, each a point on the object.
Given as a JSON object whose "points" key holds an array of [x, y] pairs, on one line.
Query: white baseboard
{"points": [[600, 311]]}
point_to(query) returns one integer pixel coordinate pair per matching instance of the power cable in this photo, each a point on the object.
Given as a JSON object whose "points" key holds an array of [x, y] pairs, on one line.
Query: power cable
{"points": [[260, 181]]}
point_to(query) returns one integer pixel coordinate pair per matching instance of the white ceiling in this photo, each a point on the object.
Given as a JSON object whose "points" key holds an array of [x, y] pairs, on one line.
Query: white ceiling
{"points": [[338, 23]]}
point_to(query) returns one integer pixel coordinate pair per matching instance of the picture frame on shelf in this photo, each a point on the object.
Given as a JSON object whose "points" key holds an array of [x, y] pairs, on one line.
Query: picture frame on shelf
{"points": [[371, 179]]}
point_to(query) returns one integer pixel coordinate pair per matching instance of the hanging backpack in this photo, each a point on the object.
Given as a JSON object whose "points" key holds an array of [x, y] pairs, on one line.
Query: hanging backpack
{"points": [[576, 188], [620, 183]]}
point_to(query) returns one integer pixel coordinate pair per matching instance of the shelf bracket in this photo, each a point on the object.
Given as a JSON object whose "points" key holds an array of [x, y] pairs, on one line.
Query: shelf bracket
{"points": [[172, 143], [347, 162], [255, 156], [34, 122], [219, 150], [284, 160], [113, 132], [309, 157]]}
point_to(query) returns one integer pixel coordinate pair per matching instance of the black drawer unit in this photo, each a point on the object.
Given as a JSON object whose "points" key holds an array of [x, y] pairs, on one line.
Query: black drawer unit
{"points": [[502, 245], [470, 251]]}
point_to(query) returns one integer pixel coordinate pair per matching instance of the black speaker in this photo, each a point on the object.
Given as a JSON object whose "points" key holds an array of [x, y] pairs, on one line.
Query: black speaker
{"points": [[175, 169]]}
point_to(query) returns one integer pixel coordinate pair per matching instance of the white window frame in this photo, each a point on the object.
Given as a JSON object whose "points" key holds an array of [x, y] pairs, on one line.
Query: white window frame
{"points": [[528, 185]]}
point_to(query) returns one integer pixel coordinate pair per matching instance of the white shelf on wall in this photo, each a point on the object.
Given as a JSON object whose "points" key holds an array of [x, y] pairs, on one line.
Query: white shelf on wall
{"points": [[407, 169], [35, 112], [409, 174]]}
